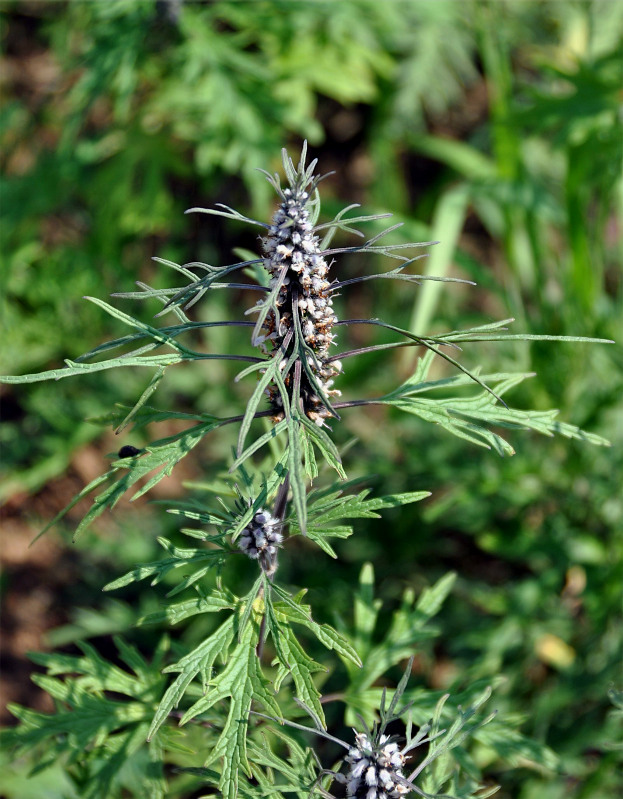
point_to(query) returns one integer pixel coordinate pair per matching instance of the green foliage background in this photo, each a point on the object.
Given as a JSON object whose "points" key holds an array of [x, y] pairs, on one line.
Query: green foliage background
{"points": [[493, 127]]}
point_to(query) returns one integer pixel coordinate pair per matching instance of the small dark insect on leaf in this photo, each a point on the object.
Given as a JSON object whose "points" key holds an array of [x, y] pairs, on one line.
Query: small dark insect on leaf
{"points": [[128, 451]]}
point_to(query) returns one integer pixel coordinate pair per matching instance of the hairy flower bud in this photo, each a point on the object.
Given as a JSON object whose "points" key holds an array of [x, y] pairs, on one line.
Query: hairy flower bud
{"points": [[260, 540]]}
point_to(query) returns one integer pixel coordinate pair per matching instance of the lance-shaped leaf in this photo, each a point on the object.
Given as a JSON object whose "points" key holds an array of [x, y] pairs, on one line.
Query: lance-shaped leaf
{"points": [[179, 611], [325, 508], [409, 625], [104, 735], [462, 416], [195, 562], [72, 368], [297, 613], [163, 455], [325, 445], [153, 385], [198, 662], [295, 468], [293, 660], [241, 682], [300, 767], [270, 375]]}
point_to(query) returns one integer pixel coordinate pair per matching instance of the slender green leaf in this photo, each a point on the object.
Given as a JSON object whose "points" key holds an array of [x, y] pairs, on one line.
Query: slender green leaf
{"points": [[241, 682], [300, 614], [293, 660], [199, 661]]}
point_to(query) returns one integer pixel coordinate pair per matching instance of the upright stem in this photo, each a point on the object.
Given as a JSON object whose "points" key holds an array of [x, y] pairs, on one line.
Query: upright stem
{"points": [[281, 501]]}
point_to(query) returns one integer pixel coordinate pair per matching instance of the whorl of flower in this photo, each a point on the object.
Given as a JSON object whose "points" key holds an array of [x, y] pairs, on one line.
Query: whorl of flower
{"points": [[260, 540], [298, 273], [375, 769]]}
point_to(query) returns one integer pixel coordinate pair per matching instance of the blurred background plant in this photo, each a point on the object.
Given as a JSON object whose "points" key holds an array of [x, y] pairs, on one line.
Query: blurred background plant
{"points": [[493, 127]]}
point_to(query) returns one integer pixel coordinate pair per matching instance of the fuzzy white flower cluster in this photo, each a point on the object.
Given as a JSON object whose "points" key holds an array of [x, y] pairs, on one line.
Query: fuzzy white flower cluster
{"points": [[375, 769], [296, 264], [261, 538]]}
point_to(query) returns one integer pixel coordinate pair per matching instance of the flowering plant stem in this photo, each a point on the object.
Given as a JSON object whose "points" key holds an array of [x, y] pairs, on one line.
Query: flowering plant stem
{"points": [[262, 654]]}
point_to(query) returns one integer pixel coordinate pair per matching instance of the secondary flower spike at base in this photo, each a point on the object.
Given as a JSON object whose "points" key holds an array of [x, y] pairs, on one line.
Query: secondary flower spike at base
{"points": [[375, 769]]}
